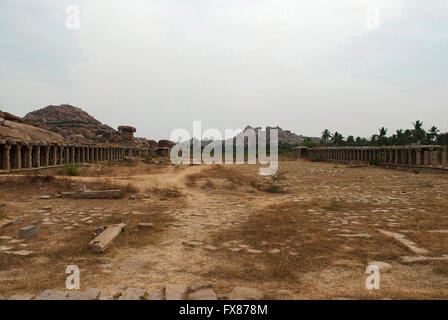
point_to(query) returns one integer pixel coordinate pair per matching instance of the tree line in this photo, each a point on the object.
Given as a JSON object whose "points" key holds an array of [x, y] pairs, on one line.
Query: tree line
{"points": [[416, 135]]}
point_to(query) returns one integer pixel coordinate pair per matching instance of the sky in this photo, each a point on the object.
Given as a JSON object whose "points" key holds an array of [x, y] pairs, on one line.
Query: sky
{"points": [[351, 66]]}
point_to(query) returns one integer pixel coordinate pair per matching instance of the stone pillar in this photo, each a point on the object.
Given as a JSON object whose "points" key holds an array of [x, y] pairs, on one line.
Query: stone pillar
{"points": [[54, 155], [17, 157], [418, 157], [72, 154], [60, 151], [434, 158], [28, 163], [444, 162], [426, 158], [7, 157]]}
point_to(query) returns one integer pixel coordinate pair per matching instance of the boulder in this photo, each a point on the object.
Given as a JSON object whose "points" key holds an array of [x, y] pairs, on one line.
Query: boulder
{"points": [[13, 134], [166, 144], [34, 133]]}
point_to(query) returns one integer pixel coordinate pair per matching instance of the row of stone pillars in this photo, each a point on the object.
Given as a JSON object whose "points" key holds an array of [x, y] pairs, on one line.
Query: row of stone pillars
{"points": [[25, 155], [427, 156]]}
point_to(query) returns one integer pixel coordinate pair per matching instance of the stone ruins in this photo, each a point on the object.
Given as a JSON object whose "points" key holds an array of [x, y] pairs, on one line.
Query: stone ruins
{"points": [[431, 157]]}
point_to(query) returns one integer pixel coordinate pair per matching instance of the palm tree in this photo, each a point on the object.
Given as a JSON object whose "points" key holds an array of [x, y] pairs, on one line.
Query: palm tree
{"points": [[337, 139], [418, 133], [432, 134], [326, 135], [382, 136]]}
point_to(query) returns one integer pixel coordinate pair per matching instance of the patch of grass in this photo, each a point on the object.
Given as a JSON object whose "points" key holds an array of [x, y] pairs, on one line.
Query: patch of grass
{"points": [[71, 169], [273, 185]]}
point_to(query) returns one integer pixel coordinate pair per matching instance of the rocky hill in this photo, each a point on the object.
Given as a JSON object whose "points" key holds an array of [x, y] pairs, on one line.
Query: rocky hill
{"points": [[77, 126]]}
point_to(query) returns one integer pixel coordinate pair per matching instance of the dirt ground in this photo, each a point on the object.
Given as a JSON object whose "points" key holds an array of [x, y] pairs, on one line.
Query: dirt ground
{"points": [[307, 233]]}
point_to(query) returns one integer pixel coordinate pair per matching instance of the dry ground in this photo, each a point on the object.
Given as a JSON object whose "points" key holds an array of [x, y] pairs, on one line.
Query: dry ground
{"points": [[293, 236]]}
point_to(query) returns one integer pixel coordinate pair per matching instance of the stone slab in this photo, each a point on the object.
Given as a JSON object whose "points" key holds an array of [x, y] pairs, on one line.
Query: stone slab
{"points": [[105, 238], [175, 291], [27, 232], [245, 293]]}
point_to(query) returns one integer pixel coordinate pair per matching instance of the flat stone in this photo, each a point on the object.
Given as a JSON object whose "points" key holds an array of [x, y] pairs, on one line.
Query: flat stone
{"points": [[408, 243], [203, 294], [210, 247], [133, 294], [52, 295], [90, 294], [145, 225], [192, 243], [245, 293], [355, 235], [26, 296], [235, 249], [5, 248], [45, 197], [154, 296], [102, 241], [175, 291], [110, 294], [19, 253], [382, 266], [411, 259], [438, 231], [5, 237], [200, 285], [274, 251], [27, 232]]}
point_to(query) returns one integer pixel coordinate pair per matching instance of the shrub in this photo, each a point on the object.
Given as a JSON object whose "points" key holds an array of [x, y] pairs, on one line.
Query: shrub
{"points": [[71, 169]]}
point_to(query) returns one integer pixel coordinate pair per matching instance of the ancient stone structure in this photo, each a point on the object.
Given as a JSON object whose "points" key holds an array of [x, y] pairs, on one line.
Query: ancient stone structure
{"points": [[127, 133], [426, 157], [27, 155]]}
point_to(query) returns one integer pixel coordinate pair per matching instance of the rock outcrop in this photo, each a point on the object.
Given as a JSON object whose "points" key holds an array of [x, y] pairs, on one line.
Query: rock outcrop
{"points": [[77, 126], [12, 127]]}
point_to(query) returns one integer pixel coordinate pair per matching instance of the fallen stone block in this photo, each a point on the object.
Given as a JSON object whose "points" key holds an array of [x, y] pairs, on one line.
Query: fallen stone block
{"points": [[27, 232], [100, 243], [133, 294], [412, 259], [175, 291], [154, 296], [200, 285], [93, 194], [244, 293], [203, 294]]}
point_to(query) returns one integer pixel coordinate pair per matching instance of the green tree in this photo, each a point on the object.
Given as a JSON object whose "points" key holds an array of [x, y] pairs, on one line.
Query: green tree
{"points": [[326, 136]]}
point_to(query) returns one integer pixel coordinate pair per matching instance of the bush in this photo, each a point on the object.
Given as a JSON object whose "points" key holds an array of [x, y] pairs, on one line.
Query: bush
{"points": [[71, 169], [316, 159]]}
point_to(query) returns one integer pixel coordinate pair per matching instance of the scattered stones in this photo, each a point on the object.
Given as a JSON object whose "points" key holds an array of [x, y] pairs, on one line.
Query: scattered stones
{"points": [[100, 243], [93, 194], [175, 291], [27, 232], [245, 293]]}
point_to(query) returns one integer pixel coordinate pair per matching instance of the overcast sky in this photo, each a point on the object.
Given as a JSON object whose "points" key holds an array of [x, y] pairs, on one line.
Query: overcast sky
{"points": [[303, 65]]}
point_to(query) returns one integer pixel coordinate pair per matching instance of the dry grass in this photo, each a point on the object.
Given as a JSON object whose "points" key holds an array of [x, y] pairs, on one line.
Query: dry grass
{"points": [[165, 192], [219, 176]]}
